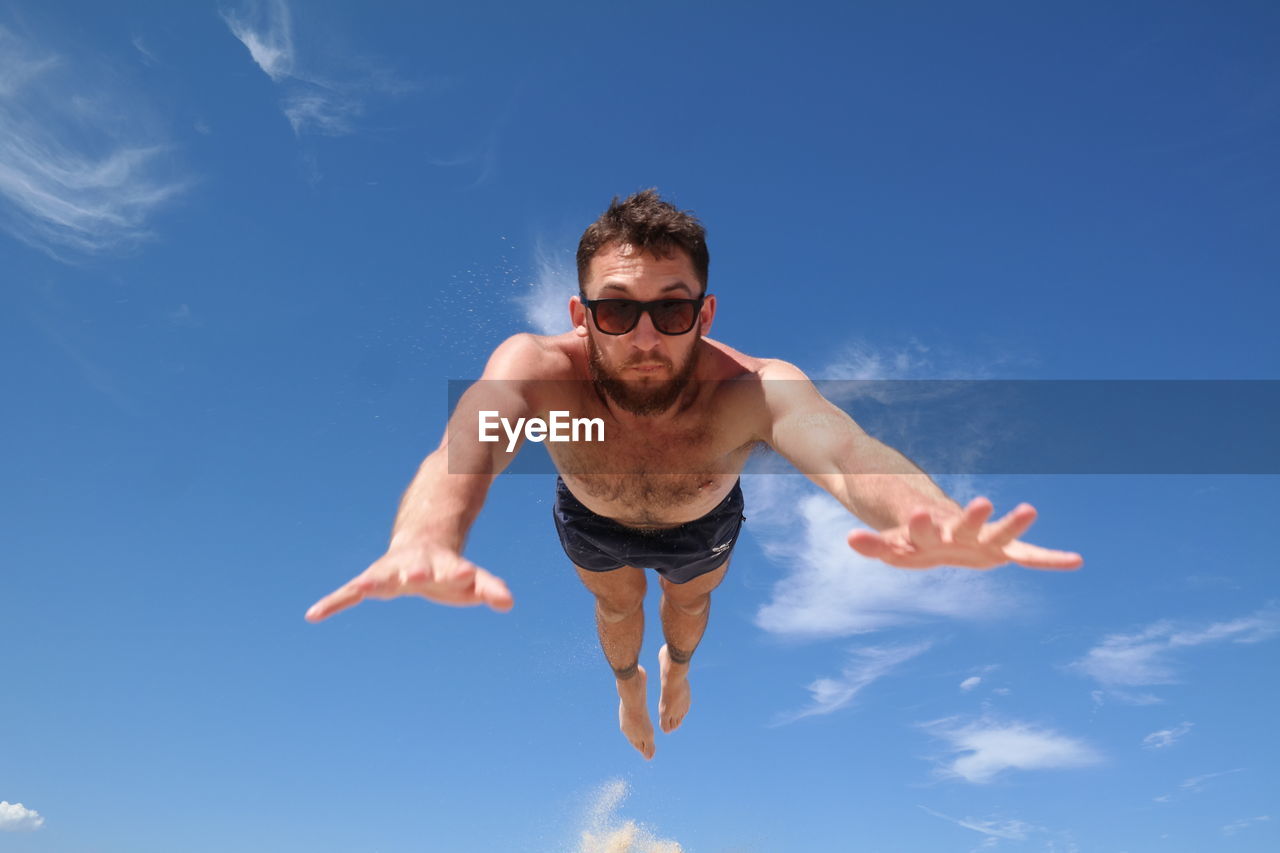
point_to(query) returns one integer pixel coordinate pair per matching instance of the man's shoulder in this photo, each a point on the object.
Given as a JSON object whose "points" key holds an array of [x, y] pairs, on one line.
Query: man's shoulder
{"points": [[529, 356], [729, 363], [748, 391]]}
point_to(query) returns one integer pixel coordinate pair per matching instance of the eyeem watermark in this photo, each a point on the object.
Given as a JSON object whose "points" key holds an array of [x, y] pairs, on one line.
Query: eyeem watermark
{"points": [[560, 427], [983, 427]]}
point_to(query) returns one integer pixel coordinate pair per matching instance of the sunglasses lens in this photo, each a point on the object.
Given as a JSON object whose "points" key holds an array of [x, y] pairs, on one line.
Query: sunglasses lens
{"points": [[670, 316], [616, 317], [674, 318]]}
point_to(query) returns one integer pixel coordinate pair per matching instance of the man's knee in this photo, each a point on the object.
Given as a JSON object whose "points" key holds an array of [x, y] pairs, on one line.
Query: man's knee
{"points": [[689, 605], [619, 593], [625, 673], [617, 608], [678, 655]]}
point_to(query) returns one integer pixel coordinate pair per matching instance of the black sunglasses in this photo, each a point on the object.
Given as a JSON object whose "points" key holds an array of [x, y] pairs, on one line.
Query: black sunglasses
{"points": [[669, 316]]}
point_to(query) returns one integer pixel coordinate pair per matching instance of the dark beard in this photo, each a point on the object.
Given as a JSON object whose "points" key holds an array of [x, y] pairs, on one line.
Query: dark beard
{"points": [[630, 396]]}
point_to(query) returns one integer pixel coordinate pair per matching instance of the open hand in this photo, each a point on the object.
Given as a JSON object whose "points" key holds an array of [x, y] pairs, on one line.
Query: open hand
{"points": [[964, 540], [437, 574]]}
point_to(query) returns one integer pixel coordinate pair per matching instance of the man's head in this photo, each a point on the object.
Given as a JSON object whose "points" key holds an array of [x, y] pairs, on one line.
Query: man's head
{"points": [[651, 225], [643, 250]]}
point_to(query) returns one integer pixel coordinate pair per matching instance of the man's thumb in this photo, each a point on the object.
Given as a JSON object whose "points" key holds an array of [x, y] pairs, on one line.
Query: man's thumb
{"points": [[493, 592]]}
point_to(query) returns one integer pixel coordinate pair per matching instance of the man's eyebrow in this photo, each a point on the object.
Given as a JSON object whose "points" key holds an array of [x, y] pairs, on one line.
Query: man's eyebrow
{"points": [[675, 285]]}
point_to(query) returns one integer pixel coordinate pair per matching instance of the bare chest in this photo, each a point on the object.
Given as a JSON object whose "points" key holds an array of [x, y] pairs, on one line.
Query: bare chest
{"points": [[655, 477]]}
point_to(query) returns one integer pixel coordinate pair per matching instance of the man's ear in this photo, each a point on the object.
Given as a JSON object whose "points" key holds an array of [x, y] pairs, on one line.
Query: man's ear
{"points": [[578, 316], [707, 314]]}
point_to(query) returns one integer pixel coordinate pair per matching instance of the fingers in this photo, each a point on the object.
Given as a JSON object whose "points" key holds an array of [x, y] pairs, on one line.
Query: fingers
{"points": [[1001, 533], [450, 580], [1035, 557], [971, 543], [873, 545], [924, 530], [970, 524], [492, 591], [347, 596], [466, 585], [868, 543]]}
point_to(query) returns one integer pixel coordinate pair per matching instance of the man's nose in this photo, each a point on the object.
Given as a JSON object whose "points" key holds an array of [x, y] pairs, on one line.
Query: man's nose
{"points": [[644, 336]]}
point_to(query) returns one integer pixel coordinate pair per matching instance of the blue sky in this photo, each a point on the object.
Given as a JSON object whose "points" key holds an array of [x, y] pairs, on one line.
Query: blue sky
{"points": [[246, 246]]}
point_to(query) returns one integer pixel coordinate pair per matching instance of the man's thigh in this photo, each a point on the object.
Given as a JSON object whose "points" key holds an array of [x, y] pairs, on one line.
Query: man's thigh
{"points": [[619, 587], [692, 590]]}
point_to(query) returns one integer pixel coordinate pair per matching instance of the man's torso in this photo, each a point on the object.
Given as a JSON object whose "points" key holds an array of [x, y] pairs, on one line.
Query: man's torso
{"points": [[656, 472]]}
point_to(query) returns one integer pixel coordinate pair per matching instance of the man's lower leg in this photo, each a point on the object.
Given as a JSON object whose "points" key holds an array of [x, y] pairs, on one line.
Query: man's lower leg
{"points": [[682, 625], [621, 635]]}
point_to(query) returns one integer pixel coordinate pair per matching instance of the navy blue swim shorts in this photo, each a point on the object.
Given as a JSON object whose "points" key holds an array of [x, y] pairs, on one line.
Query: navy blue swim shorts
{"points": [[679, 554]]}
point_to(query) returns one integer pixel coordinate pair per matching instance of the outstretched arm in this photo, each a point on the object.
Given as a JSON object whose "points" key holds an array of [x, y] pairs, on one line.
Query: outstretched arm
{"points": [[424, 557], [917, 525]]}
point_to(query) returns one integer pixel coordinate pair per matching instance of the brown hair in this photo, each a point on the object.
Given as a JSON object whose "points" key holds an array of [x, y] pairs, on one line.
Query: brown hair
{"points": [[649, 224]]}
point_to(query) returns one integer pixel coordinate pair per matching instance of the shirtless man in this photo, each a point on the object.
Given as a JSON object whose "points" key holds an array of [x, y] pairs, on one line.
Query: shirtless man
{"points": [[681, 414]]}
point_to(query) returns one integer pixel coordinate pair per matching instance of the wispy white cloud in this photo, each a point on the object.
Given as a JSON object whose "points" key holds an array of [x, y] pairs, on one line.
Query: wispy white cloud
{"points": [[324, 96], [20, 63], [324, 112], [15, 817], [986, 748], [1067, 845], [1147, 658], [98, 377], [867, 664], [995, 831], [83, 168], [141, 46], [546, 304], [1012, 830], [182, 316], [1244, 823], [858, 360], [1196, 784], [861, 360], [861, 372], [1166, 737], [605, 832], [1255, 628], [265, 27], [482, 156], [922, 385], [829, 590], [970, 682]]}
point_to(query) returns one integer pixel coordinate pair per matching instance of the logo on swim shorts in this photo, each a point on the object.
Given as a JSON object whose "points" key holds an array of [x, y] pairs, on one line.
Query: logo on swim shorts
{"points": [[725, 547]]}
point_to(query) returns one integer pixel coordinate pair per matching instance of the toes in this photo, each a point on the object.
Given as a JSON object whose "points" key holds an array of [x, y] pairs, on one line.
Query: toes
{"points": [[644, 747]]}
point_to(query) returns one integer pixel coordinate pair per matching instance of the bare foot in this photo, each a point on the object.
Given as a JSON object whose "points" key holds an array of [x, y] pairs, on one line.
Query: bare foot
{"points": [[633, 713], [676, 696]]}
